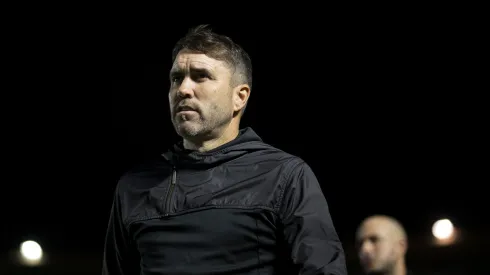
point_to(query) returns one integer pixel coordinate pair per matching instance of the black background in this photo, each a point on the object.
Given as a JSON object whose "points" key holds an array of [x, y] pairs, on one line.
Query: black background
{"points": [[383, 113]]}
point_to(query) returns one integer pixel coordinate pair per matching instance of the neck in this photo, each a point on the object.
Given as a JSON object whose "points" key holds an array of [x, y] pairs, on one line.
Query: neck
{"points": [[229, 134], [399, 268]]}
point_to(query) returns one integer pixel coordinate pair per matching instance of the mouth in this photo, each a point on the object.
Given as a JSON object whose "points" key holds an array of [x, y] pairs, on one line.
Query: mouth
{"points": [[367, 263], [185, 109]]}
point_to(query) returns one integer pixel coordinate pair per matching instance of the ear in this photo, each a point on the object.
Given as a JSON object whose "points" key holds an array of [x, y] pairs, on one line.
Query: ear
{"points": [[403, 245], [241, 93]]}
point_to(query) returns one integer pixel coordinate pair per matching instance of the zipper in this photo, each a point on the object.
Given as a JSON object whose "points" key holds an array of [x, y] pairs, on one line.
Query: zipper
{"points": [[171, 188]]}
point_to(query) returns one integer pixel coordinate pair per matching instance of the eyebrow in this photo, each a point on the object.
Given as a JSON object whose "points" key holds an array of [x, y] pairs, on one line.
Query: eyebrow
{"points": [[180, 71]]}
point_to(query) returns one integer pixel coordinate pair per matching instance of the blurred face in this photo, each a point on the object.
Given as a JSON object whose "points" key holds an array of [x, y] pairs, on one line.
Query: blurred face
{"points": [[378, 246], [200, 96]]}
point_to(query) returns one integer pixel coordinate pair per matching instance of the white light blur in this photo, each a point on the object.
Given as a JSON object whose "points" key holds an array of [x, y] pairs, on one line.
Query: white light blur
{"points": [[443, 229], [31, 253], [445, 233]]}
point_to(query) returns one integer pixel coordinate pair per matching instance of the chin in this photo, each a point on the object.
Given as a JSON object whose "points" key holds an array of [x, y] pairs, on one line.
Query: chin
{"points": [[373, 271], [186, 130]]}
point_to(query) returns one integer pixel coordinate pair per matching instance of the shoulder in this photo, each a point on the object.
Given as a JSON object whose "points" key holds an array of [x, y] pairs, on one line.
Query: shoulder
{"points": [[275, 153], [292, 166]]}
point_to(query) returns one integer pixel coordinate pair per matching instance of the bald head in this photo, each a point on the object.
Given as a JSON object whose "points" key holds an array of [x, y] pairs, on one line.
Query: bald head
{"points": [[381, 242], [388, 224]]}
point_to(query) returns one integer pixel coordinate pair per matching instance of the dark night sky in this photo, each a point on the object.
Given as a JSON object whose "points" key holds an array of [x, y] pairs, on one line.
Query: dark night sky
{"points": [[382, 114]]}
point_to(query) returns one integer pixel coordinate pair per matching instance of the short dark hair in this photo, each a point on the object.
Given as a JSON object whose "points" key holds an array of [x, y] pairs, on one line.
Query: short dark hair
{"points": [[220, 47]]}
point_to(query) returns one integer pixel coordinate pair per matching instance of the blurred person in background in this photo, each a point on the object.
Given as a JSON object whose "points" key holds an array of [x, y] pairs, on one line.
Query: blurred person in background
{"points": [[381, 243], [221, 201]]}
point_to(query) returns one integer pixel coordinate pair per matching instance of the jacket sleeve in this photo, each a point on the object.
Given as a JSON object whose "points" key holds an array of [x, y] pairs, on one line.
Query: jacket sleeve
{"points": [[309, 232], [119, 256]]}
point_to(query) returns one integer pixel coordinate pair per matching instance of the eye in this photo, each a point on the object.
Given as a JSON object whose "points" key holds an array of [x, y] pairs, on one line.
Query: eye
{"points": [[176, 79], [374, 239], [200, 77]]}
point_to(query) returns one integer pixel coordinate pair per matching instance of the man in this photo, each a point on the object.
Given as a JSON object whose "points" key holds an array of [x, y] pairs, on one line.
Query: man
{"points": [[221, 201], [382, 245]]}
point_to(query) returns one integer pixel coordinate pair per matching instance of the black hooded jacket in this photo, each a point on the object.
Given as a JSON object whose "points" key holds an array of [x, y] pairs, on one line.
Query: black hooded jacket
{"points": [[242, 208]]}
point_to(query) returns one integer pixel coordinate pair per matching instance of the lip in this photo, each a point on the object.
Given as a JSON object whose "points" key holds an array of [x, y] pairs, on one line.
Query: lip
{"points": [[185, 108], [367, 263], [186, 112]]}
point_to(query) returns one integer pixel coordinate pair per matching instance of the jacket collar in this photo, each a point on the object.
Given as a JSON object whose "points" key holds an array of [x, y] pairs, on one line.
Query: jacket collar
{"points": [[246, 141]]}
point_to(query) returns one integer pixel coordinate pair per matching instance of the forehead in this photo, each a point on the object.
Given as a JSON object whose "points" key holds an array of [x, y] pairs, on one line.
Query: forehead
{"points": [[190, 60], [373, 227]]}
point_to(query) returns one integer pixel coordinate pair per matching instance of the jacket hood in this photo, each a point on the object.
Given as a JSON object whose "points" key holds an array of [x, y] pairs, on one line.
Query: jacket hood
{"points": [[247, 141]]}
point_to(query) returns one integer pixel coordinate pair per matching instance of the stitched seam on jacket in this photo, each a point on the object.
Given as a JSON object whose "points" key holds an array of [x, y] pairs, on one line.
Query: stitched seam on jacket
{"points": [[258, 244], [224, 150], [130, 222], [286, 179]]}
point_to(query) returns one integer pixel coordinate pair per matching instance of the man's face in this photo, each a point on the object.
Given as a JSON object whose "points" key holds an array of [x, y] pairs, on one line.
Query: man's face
{"points": [[200, 95], [377, 246]]}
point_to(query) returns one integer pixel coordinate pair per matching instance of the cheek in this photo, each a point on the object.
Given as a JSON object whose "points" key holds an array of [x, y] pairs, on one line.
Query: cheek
{"points": [[170, 103], [385, 252], [394, 252], [170, 97], [222, 103]]}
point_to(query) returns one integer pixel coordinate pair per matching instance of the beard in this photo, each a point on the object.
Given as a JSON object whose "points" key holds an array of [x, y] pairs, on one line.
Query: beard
{"points": [[386, 267], [199, 124]]}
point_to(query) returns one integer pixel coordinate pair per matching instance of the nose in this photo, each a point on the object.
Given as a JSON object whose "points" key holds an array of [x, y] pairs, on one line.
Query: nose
{"points": [[186, 88], [366, 248]]}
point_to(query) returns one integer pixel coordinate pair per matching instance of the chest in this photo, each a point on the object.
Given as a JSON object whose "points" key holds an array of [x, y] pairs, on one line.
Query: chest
{"points": [[214, 236]]}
